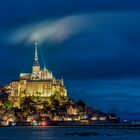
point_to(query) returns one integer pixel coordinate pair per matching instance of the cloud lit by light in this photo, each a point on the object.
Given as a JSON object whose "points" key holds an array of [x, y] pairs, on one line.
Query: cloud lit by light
{"points": [[60, 29], [54, 30]]}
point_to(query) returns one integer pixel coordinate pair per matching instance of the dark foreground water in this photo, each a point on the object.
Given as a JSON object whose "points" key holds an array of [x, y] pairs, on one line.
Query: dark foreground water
{"points": [[43, 133]]}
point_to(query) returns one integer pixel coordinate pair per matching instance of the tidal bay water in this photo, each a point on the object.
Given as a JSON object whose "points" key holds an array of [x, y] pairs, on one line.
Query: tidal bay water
{"points": [[44, 133]]}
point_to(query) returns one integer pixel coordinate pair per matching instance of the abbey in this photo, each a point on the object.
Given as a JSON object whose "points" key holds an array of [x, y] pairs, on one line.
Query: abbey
{"points": [[40, 82]]}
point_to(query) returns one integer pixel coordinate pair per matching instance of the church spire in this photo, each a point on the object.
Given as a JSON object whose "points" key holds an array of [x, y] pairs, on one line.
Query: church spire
{"points": [[36, 62]]}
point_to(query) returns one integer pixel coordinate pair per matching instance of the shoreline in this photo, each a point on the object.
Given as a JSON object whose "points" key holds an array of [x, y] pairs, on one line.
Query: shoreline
{"points": [[97, 126]]}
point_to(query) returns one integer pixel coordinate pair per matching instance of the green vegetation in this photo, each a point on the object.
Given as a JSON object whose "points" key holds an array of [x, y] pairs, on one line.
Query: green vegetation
{"points": [[7, 104]]}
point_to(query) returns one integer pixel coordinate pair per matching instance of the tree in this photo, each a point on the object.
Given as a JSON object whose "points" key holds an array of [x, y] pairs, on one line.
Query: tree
{"points": [[27, 105], [81, 104], [4, 96], [46, 106], [7, 104], [54, 101]]}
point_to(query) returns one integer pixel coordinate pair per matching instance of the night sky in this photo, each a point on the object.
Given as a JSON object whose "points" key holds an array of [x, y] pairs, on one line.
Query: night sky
{"points": [[93, 44]]}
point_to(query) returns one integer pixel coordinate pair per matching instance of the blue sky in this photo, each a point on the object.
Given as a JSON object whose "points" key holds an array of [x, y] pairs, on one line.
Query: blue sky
{"points": [[94, 45]]}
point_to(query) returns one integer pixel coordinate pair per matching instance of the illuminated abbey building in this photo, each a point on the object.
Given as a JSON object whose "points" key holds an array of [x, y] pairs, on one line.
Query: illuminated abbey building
{"points": [[40, 82]]}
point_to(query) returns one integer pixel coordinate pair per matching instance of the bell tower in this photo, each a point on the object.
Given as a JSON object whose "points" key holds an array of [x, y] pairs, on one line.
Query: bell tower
{"points": [[36, 66]]}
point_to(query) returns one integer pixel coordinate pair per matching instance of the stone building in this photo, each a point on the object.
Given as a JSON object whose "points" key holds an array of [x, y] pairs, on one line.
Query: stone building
{"points": [[40, 82]]}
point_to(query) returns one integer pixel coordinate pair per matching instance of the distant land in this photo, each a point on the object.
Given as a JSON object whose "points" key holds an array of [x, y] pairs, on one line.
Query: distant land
{"points": [[38, 98]]}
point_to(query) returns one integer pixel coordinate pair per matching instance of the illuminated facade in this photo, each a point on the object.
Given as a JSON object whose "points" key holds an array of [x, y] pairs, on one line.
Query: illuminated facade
{"points": [[40, 82]]}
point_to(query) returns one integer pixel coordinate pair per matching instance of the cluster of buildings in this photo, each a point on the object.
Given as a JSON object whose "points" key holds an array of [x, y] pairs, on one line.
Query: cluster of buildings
{"points": [[70, 116]]}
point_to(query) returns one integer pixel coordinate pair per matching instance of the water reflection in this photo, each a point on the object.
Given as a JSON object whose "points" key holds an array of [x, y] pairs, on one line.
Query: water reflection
{"points": [[43, 133]]}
